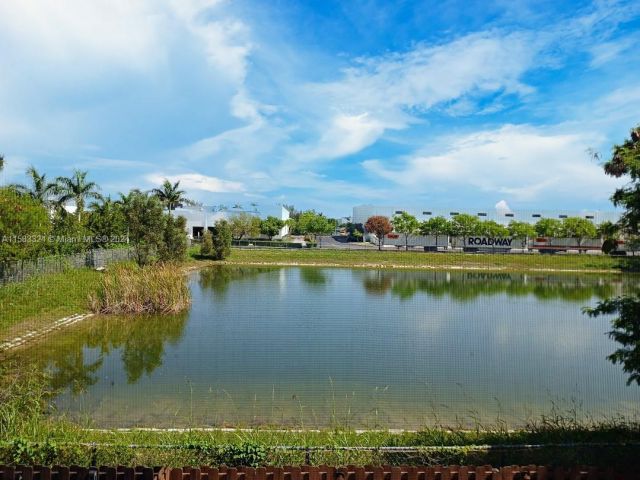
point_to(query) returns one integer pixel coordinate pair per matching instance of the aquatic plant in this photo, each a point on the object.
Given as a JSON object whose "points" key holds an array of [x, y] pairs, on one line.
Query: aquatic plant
{"points": [[126, 288]]}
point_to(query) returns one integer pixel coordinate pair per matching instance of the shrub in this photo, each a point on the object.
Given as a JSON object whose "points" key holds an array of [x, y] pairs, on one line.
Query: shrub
{"points": [[126, 288], [221, 240], [173, 247], [206, 247], [21, 216], [244, 455]]}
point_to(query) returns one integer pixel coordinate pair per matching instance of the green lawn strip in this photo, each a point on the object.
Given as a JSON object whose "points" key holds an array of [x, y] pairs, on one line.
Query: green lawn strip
{"points": [[73, 445], [390, 259], [44, 298]]}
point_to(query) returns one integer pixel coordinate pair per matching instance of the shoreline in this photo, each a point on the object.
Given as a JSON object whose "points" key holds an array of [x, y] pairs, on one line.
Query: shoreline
{"points": [[397, 266]]}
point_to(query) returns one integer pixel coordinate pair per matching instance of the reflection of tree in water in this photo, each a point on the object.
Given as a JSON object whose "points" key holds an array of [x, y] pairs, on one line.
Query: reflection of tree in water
{"points": [[220, 277], [464, 287], [377, 282], [626, 331], [313, 276], [141, 340], [69, 369]]}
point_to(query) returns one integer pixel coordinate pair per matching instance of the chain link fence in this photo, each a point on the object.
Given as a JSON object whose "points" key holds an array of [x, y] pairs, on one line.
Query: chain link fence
{"points": [[19, 270]]}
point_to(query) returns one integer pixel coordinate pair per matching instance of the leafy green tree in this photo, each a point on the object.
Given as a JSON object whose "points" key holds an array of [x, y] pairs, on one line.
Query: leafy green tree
{"points": [[144, 217], [608, 229], [206, 247], [522, 231], [548, 227], [70, 235], [1, 162], [78, 189], [107, 223], [311, 224], [24, 226], [465, 225], [40, 189], [491, 228], [625, 160], [437, 226], [406, 224], [170, 195], [271, 226], [626, 331], [609, 232], [244, 225], [380, 226], [578, 228], [221, 240], [173, 247]]}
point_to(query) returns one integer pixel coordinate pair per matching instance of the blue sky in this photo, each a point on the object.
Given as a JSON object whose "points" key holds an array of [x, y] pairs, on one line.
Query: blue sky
{"points": [[324, 104]]}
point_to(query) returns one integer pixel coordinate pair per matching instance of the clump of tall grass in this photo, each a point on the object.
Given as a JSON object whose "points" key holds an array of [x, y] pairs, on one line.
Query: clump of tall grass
{"points": [[129, 289], [24, 397]]}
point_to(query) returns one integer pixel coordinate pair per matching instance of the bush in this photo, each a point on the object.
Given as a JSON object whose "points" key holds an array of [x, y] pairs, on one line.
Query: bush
{"points": [[221, 240], [173, 247], [21, 216], [206, 247], [243, 455], [127, 288]]}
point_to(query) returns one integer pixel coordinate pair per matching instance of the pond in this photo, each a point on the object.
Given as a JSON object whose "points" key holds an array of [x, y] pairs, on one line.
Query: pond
{"points": [[318, 347]]}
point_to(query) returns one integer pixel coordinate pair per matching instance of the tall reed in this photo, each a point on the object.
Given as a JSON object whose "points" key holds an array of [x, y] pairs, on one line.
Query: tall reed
{"points": [[129, 289]]}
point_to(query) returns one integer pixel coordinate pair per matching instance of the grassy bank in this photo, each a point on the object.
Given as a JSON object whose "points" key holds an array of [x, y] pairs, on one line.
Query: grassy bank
{"points": [[402, 259], [44, 298], [29, 435]]}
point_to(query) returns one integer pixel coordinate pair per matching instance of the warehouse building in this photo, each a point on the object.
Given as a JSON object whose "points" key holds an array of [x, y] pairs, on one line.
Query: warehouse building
{"points": [[503, 216], [203, 217]]}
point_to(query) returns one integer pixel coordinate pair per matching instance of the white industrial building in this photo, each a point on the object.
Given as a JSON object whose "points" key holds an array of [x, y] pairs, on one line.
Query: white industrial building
{"points": [[203, 217], [362, 212]]}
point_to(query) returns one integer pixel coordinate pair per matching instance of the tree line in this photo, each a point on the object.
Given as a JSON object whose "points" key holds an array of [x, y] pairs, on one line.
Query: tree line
{"points": [[35, 220], [469, 225]]}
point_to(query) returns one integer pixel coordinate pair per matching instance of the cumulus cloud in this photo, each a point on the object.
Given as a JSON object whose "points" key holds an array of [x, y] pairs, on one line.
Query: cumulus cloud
{"points": [[196, 181], [502, 207], [525, 162]]}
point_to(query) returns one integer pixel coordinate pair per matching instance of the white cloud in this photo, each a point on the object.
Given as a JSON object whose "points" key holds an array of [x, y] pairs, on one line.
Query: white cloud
{"points": [[524, 162], [391, 91], [196, 181], [605, 52], [503, 207]]}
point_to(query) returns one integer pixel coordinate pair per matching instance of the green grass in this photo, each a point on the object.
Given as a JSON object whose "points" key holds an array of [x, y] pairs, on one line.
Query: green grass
{"points": [[29, 435], [45, 298], [402, 259]]}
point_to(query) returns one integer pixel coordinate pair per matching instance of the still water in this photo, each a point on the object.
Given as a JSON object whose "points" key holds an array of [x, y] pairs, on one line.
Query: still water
{"points": [[351, 347]]}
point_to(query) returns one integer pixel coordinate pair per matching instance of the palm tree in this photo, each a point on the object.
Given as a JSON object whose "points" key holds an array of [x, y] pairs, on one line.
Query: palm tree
{"points": [[76, 188], [40, 189], [170, 195]]}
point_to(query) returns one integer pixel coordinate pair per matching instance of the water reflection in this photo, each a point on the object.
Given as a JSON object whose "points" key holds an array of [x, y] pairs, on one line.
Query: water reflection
{"points": [[387, 348], [465, 287], [79, 353], [218, 279], [313, 276]]}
